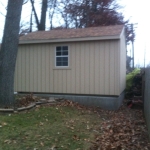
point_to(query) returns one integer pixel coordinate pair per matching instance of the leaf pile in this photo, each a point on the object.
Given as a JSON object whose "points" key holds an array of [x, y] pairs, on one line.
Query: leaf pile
{"points": [[26, 100], [124, 130], [71, 104]]}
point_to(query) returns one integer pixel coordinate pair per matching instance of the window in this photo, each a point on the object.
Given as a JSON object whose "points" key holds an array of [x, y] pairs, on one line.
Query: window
{"points": [[62, 56]]}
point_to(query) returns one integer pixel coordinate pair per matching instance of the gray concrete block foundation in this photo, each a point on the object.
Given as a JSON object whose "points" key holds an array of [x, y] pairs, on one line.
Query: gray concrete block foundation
{"points": [[109, 103]]}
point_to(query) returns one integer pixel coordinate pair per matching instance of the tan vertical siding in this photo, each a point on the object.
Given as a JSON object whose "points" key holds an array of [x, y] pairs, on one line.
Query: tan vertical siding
{"points": [[43, 70], [97, 68], [51, 65], [35, 69], [102, 68], [73, 67], [31, 74], [55, 82], [64, 83], [47, 69], [106, 67], [87, 68], [93, 68], [82, 59], [112, 68], [23, 69], [78, 68]]}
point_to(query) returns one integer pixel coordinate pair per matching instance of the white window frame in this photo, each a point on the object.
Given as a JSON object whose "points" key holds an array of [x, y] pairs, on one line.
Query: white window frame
{"points": [[61, 56]]}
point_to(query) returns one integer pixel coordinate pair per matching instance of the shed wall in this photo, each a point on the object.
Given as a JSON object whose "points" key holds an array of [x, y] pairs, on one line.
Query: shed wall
{"points": [[122, 62], [93, 68]]}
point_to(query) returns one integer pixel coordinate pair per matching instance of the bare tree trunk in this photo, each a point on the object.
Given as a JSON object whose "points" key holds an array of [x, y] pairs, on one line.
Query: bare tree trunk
{"points": [[41, 23], [8, 52], [35, 14], [43, 15], [51, 14]]}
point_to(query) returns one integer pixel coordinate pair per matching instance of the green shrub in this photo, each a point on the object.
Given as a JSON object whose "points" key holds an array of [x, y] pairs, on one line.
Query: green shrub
{"points": [[130, 77]]}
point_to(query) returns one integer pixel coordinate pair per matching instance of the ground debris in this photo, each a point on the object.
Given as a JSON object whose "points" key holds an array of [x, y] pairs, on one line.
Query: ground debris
{"points": [[125, 129]]}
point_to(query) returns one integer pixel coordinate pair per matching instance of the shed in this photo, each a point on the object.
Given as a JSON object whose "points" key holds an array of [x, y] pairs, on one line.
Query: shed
{"points": [[86, 65]]}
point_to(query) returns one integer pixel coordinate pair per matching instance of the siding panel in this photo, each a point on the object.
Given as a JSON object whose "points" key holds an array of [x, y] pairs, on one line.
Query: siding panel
{"points": [[77, 68], [23, 69], [35, 69], [102, 68], [68, 73], [55, 81], [31, 71], [52, 78], [47, 69], [73, 66], [112, 67], [18, 72], [93, 68], [82, 58], [39, 68], [60, 80], [87, 69], [107, 68], [97, 68], [64, 81], [43, 70]]}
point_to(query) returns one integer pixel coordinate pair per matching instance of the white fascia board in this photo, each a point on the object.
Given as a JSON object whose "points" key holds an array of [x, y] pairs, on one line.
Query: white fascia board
{"points": [[122, 32], [70, 39]]}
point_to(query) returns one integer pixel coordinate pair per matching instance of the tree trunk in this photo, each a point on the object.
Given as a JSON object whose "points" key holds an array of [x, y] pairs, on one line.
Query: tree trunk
{"points": [[35, 14], [8, 52], [43, 15]]}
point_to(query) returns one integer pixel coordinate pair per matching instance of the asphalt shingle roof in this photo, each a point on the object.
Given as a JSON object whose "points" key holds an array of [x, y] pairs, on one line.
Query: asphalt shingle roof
{"points": [[73, 33]]}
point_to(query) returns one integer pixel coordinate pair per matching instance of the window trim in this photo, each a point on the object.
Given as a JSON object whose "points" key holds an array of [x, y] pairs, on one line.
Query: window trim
{"points": [[61, 67]]}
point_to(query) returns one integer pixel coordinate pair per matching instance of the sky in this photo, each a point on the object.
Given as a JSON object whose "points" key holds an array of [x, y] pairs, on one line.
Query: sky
{"points": [[138, 12], [135, 10]]}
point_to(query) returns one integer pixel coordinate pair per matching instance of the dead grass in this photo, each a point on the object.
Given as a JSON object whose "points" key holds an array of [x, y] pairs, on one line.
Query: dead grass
{"points": [[63, 127]]}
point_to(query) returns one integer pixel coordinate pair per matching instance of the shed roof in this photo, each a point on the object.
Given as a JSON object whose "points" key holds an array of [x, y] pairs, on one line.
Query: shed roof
{"points": [[80, 34]]}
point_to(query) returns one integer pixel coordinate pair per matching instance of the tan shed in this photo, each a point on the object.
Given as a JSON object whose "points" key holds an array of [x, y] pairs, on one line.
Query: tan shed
{"points": [[85, 65]]}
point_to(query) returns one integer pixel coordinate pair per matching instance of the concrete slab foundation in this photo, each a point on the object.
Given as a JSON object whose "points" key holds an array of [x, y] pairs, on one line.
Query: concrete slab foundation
{"points": [[108, 103]]}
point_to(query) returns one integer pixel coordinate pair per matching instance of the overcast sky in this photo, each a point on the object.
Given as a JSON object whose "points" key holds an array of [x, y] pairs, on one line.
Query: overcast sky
{"points": [[135, 10], [138, 12]]}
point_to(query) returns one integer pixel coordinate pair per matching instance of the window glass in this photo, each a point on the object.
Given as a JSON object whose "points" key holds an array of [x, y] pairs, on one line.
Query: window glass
{"points": [[61, 56]]}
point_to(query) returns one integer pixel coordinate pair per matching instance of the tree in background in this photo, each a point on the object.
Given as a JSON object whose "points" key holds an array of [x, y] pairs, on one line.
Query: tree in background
{"points": [[8, 52], [92, 13], [40, 23], [52, 7]]}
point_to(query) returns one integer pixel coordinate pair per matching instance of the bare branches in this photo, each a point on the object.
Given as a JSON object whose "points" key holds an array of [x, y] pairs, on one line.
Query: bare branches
{"points": [[35, 14], [52, 7], [25, 1], [2, 14]]}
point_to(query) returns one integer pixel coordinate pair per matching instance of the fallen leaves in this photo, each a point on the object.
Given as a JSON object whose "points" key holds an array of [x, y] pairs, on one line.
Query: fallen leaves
{"points": [[41, 143], [123, 130], [2, 124]]}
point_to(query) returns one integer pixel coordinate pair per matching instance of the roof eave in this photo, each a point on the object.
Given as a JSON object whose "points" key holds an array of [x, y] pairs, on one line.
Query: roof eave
{"points": [[114, 37]]}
